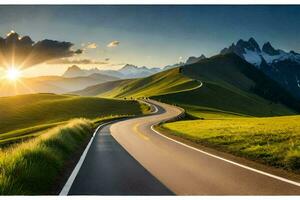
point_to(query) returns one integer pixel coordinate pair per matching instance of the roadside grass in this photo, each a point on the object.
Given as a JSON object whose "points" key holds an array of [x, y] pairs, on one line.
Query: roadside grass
{"points": [[31, 167], [19, 135], [26, 116], [274, 141]]}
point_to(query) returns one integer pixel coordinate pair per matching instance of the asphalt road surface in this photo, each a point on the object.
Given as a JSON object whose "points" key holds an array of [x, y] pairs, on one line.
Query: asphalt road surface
{"points": [[129, 158]]}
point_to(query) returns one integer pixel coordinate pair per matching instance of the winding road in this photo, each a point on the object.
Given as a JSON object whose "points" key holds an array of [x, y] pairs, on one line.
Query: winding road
{"points": [[129, 157]]}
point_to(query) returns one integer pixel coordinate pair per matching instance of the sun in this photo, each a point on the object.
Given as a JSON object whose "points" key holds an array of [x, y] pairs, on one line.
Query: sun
{"points": [[13, 74]]}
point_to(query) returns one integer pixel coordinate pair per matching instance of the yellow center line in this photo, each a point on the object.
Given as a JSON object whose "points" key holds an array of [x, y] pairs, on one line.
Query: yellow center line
{"points": [[136, 130]]}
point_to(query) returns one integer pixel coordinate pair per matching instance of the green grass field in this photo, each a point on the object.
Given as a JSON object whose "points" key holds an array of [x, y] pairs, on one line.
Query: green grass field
{"points": [[170, 81], [26, 116], [33, 166], [217, 97], [272, 140]]}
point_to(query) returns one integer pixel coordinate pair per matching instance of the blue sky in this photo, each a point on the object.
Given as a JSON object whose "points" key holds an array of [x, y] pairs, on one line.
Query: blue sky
{"points": [[155, 35]]}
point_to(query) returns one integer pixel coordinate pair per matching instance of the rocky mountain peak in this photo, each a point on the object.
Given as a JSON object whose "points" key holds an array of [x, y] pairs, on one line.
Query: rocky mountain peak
{"points": [[194, 59], [74, 67], [269, 49]]}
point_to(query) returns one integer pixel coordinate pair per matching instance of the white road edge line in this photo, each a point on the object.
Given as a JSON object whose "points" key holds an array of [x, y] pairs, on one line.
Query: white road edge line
{"points": [[75, 171], [229, 161]]}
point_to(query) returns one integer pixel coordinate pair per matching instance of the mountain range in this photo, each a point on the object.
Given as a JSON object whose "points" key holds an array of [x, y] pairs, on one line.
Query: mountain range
{"points": [[128, 71], [279, 65]]}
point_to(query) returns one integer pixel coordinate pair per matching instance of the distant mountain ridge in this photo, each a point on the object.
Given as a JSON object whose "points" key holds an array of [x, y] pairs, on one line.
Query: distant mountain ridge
{"points": [[127, 71], [132, 71], [281, 66], [53, 84], [193, 59]]}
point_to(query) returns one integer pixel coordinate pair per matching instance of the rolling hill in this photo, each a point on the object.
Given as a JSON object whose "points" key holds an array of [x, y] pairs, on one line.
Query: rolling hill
{"points": [[230, 85], [24, 114], [166, 82], [51, 84]]}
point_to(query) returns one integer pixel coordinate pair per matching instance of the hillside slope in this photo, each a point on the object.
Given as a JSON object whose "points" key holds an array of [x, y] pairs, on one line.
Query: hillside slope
{"points": [[169, 81], [24, 111], [230, 85]]}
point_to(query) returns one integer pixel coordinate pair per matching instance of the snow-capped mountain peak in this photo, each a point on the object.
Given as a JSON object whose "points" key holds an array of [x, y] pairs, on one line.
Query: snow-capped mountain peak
{"points": [[252, 53], [132, 71]]}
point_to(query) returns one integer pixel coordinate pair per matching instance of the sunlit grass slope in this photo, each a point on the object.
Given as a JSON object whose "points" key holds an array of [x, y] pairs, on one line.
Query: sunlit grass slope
{"points": [[235, 74], [26, 114], [170, 81], [230, 84], [33, 166], [274, 140], [218, 98]]}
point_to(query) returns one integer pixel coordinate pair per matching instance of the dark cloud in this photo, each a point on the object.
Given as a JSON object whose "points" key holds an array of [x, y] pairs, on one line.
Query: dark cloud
{"points": [[77, 61], [24, 53]]}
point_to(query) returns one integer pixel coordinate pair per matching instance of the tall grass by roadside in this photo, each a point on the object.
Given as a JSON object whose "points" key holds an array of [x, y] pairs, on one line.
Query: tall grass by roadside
{"points": [[32, 167]]}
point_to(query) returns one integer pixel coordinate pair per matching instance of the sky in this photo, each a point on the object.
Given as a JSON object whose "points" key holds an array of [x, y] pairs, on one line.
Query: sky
{"points": [[152, 36]]}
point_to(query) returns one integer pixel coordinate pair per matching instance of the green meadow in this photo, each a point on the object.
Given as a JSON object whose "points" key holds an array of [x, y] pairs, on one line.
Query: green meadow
{"points": [[170, 81], [26, 116], [274, 141]]}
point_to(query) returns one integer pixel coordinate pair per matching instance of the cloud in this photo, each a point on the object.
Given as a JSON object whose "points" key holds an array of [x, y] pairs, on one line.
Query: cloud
{"points": [[92, 45], [113, 44], [23, 52], [77, 61]]}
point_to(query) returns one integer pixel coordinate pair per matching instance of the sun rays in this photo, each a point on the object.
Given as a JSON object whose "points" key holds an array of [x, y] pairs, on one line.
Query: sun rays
{"points": [[13, 74]]}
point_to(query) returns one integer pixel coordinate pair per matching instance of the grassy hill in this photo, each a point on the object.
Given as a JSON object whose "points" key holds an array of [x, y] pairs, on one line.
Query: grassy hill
{"points": [[214, 97], [170, 81], [232, 72], [51, 84], [230, 85], [26, 114]]}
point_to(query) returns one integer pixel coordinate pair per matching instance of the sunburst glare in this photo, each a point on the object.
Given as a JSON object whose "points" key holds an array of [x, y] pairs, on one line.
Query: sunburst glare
{"points": [[13, 74]]}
